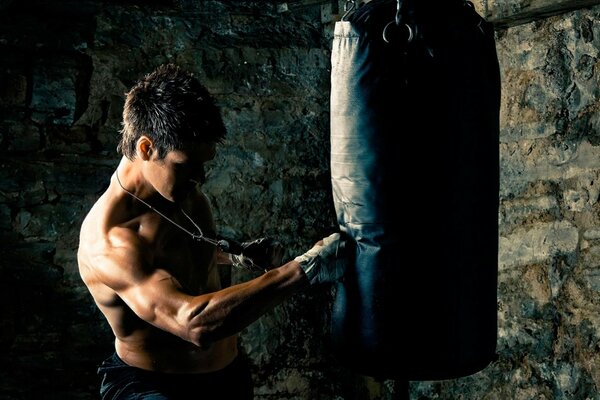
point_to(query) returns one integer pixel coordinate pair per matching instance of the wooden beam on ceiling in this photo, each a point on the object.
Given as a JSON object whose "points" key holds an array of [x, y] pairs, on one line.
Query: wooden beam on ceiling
{"points": [[503, 15]]}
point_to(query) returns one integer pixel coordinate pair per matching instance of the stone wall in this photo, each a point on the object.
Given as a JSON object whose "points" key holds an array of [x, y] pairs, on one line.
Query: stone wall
{"points": [[64, 68]]}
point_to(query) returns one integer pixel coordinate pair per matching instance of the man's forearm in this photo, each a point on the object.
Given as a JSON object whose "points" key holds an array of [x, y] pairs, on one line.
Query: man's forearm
{"points": [[223, 313]]}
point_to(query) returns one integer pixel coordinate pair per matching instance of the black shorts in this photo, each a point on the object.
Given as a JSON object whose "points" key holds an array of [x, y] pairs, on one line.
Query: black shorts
{"points": [[121, 381]]}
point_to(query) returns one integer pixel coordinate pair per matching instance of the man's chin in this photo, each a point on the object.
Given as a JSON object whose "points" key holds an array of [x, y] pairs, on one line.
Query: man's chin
{"points": [[174, 197], [181, 196]]}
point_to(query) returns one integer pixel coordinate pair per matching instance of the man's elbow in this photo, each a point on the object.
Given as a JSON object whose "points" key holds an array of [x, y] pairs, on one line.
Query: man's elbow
{"points": [[199, 332], [201, 337]]}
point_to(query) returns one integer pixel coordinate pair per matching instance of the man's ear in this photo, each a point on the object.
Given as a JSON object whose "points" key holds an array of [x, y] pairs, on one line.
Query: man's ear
{"points": [[145, 148]]}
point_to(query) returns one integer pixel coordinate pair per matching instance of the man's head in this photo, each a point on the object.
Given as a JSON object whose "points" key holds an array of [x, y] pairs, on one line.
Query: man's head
{"points": [[172, 109], [170, 128]]}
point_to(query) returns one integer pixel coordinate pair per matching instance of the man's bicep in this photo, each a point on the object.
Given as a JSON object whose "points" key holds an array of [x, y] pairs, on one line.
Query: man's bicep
{"points": [[152, 293], [158, 300]]}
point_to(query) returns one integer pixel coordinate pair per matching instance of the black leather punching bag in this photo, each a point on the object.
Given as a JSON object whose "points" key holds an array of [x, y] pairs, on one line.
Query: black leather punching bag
{"points": [[415, 175]]}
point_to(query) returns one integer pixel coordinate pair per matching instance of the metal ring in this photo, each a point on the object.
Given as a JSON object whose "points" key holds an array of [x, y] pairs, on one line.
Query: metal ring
{"points": [[411, 34], [385, 39]]}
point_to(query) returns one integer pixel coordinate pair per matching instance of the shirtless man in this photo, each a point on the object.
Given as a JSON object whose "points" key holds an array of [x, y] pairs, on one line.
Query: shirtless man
{"points": [[147, 258]]}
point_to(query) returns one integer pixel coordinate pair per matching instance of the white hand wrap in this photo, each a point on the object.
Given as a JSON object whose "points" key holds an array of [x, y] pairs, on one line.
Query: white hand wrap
{"points": [[321, 263]]}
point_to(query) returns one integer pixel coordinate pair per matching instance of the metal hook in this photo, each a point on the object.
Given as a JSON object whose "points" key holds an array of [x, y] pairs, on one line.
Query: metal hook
{"points": [[398, 11], [349, 5]]}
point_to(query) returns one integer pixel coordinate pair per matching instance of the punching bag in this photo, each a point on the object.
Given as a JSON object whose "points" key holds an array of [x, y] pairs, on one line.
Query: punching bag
{"points": [[415, 99]]}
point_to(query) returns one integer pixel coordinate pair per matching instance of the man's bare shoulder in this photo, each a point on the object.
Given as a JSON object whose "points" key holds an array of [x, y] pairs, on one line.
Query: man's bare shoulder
{"points": [[109, 248]]}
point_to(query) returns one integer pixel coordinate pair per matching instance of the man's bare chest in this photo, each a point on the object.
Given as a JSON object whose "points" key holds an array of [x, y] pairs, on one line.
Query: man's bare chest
{"points": [[188, 260]]}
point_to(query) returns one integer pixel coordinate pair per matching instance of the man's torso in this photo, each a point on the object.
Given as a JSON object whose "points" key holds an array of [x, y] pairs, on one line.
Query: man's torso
{"points": [[191, 263]]}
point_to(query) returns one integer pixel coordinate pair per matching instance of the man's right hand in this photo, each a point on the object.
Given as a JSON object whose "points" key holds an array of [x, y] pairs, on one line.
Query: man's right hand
{"points": [[324, 263], [259, 255]]}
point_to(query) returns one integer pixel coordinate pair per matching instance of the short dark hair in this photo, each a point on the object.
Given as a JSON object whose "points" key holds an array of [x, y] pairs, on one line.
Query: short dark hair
{"points": [[170, 106]]}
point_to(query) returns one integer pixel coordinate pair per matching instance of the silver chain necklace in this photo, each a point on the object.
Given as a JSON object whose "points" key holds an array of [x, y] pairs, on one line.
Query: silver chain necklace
{"points": [[199, 237]]}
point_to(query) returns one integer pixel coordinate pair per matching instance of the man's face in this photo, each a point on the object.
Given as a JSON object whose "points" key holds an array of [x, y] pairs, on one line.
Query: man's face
{"points": [[176, 175]]}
